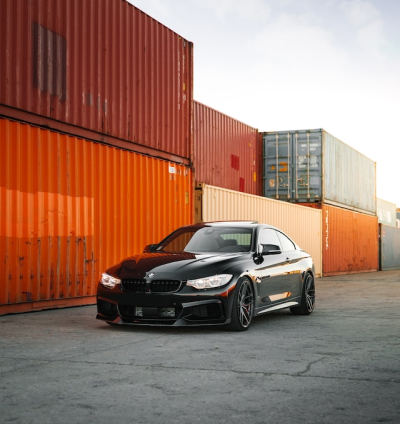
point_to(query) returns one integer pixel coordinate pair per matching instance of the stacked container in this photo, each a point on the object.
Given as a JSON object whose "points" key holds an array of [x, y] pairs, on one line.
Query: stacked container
{"points": [[104, 66], [226, 152], [386, 212], [315, 169], [96, 144], [312, 166]]}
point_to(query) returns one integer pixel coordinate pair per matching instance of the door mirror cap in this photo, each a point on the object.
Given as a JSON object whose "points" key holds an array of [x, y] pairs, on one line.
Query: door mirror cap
{"points": [[267, 249]]}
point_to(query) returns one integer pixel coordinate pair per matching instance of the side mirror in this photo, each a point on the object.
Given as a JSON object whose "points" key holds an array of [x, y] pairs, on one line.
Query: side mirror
{"points": [[274, 252], [149, 248], [268, 249], [258, 256]]}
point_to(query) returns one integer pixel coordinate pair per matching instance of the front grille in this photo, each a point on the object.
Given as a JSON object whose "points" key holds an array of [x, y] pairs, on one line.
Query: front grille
{"points": [[137, 286], [164, 286], [156, 286]]}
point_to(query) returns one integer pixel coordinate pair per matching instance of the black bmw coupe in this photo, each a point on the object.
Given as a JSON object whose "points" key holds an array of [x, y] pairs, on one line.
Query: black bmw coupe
{"points": [[217, 273]]}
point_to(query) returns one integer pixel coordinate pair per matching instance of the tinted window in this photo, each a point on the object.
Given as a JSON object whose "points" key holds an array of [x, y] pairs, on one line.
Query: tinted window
{"points": [[269, 239], [208, 239], [177, 242], [287, 244]]}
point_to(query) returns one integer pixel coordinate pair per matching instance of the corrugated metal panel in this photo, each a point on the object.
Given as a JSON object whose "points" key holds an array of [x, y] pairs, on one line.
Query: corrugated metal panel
{"points": [[293, 165], [313, 166], [386, 212], [100, 65], [302, 224], [389, 247], [69, 208], [349, 178], [227, 153], [350, 241]]}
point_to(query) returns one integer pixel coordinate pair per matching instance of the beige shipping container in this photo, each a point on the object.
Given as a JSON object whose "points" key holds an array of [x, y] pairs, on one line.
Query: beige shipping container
{"points": [[302, 224]]}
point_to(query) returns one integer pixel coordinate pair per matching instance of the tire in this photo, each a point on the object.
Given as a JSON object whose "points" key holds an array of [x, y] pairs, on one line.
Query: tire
{"points": [[242, 306], [307, 297]]}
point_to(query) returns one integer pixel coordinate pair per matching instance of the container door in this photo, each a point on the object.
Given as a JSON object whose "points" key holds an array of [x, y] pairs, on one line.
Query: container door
{"points": [[307, 166], [277, 170]]}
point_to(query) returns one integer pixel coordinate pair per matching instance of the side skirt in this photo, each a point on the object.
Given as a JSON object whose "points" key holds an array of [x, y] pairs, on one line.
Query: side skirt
{"points": [[276, 307]]}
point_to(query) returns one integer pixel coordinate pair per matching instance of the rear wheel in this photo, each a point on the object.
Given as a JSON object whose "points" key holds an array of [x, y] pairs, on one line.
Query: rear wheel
{"points": [[307, 298], [242, 306]]}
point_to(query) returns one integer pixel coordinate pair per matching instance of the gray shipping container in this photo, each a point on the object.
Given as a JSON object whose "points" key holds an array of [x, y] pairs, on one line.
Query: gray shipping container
{"points": [[312, 166], [389, 247]]}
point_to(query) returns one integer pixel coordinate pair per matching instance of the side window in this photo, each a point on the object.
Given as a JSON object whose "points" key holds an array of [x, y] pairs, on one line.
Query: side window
{"points": [[287, 244], [269, 239]]}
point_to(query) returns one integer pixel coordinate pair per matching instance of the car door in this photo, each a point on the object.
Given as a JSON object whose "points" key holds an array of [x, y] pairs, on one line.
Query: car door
{"points": [[293, 257], [275, 271]]}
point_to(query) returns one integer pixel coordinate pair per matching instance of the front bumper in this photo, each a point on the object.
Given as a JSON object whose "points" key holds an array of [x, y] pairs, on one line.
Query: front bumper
{"points": [[208, 307]]}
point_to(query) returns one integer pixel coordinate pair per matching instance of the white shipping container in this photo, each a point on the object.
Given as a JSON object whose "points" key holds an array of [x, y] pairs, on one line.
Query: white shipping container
{"points": [[386, 212], [302, 224]]}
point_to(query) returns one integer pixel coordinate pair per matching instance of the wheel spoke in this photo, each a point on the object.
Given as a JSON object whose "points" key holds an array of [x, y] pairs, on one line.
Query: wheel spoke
{"points": [[310, 293], [245, 304]]}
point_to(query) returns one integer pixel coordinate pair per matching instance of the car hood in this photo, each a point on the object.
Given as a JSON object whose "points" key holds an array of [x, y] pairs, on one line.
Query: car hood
{"points": [[175, 265]]}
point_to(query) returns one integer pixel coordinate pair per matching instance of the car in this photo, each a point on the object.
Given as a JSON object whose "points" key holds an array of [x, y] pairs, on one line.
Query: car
{"points": [[215, 273]]}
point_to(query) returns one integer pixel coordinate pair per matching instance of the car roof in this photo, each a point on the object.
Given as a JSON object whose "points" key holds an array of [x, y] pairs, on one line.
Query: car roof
{"points": [[241, 224]]}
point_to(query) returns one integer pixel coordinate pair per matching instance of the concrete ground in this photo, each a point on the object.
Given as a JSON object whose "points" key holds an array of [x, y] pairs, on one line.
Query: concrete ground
{"points": [[341, 364]]}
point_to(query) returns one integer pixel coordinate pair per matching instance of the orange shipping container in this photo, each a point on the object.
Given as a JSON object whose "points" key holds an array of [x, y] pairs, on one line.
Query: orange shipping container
{"points": [[350, 241], [227, 153], [70, 207], [103, 66]]}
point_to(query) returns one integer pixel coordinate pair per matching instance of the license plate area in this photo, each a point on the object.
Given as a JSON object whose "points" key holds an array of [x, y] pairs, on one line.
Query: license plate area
{"points": [[147, 312]]}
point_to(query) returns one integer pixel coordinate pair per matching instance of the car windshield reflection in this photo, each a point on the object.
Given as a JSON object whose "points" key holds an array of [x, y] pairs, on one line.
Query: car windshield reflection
{"points": [[208, 240]]}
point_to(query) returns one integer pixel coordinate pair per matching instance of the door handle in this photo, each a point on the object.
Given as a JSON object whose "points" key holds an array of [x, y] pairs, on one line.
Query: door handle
{"points": [[287, 260]]}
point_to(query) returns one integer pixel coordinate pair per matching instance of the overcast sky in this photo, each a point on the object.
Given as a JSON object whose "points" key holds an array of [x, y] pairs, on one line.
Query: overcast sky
{"points": [[300, 64]]}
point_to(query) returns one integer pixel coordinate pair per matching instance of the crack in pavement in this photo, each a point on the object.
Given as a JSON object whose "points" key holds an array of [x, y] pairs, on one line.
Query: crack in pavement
{"points": [[301, 374]]}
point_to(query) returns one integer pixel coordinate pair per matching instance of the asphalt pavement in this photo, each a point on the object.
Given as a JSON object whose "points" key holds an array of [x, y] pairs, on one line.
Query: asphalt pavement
{"points": [[341, 364]]}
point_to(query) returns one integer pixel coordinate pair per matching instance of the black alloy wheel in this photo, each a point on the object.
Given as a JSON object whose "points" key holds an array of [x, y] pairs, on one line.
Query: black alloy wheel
{"points": [[242, 307], [308, 297]]}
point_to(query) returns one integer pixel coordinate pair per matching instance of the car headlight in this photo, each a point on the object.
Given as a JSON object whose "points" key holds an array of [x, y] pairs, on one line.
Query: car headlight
{"points": [[210, 282], [109, 281]]}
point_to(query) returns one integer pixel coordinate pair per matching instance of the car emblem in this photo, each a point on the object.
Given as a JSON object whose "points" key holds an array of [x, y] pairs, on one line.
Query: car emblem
{"points": [[151, 275]]}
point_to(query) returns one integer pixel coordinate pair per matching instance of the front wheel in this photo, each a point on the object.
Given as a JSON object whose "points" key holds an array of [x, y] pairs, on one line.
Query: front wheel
{"points": [[307, 298], [242, 306]]}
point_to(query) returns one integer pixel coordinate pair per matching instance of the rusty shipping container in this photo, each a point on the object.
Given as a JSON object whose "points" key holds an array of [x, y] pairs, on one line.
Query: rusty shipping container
{"points": [[389, 247], [315, 167], [227, 153], [70, 207], [350, 241], [302, 224], [103, 66]]}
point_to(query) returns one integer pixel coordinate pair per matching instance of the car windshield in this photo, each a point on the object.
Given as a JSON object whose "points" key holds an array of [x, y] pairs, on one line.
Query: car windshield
{"points": [[208, 239]]}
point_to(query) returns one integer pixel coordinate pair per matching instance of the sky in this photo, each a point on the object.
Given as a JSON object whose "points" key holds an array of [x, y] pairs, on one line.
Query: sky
{"points": [[280, 65]]}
